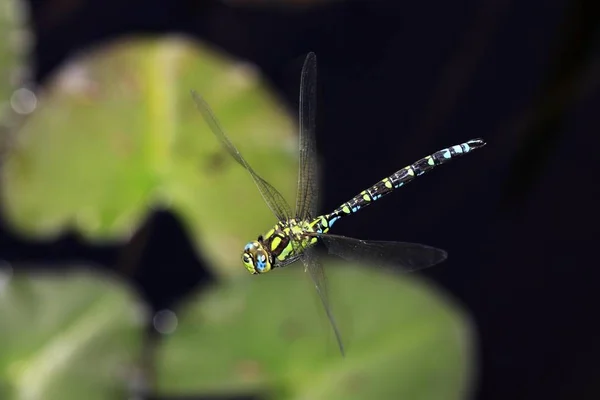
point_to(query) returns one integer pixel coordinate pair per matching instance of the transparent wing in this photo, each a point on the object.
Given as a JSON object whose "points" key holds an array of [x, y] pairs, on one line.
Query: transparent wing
{"points": [[272, 197], [307, 194], [313, 266], [405, 256]]}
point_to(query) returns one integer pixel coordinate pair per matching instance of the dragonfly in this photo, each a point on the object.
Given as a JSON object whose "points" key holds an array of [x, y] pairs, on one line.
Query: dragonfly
{"points": [[294, 236]]}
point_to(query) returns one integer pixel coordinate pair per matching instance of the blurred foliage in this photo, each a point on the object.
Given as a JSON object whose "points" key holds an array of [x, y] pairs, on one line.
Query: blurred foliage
{"points": [[15, 100], [404, 340], [116, 133], [67, 335], [13, 47], [76, 335]]}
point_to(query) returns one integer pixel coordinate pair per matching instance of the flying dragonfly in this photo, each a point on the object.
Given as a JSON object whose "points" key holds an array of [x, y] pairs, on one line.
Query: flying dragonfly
{"points": [[294, 236]]}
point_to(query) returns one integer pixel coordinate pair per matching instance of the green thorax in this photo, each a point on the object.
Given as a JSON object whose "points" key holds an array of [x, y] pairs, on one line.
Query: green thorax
{"points": [[290, 238]]}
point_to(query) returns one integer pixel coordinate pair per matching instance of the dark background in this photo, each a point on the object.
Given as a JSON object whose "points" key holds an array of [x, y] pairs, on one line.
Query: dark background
{"points": [[397, 81]]}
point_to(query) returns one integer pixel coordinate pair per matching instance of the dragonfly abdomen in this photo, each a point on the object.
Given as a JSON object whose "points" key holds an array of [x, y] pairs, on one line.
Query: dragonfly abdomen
{"points": [[401, 178]]}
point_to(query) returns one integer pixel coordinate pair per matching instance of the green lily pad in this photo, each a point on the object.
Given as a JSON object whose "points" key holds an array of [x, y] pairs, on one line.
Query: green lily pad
{"points": [[116, 134], [66, 336], [267, 335], [13, 47]]}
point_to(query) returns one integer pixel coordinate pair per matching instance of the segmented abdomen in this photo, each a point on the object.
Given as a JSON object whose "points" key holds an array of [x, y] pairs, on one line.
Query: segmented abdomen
{"points": [[402, 177]]}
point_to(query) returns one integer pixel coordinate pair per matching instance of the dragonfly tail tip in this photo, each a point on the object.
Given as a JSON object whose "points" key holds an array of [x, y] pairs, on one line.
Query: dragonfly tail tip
{"points": [[476, 143]]}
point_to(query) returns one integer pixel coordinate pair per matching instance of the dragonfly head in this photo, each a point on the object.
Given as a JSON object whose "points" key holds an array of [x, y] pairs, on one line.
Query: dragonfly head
{"points": [[256, 258]]}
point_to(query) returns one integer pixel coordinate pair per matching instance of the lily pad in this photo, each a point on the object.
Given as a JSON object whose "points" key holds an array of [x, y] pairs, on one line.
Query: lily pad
{"points": [[268, 336], [116, 134], [13, 48], [68, 335]]}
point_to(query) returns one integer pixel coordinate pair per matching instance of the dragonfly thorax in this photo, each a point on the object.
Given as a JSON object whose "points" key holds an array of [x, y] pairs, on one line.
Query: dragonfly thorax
{"points": [[282, 245], [256, 258]]}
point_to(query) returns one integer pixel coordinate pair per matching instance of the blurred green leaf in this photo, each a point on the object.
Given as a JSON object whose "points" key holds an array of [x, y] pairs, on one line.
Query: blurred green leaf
{"points": [[117, 133], [14, 46], [66, 335], [268, 336], [16, 100]]}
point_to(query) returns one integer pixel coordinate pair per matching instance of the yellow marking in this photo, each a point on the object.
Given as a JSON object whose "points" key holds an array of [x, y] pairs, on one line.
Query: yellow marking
{"points": [[313, 240], [270, 233], [410, 171], [366, 197], [324, 222], [275, 243], [387, 183], [285, 252], [346, 209], [430, 160]]}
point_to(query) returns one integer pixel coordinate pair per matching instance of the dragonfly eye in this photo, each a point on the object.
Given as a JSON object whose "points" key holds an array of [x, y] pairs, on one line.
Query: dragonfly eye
{"points": [[262, 262], [248, 261]]}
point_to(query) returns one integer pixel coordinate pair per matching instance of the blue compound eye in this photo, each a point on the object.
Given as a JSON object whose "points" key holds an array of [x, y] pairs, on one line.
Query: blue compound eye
{"points": [[262, 264]]}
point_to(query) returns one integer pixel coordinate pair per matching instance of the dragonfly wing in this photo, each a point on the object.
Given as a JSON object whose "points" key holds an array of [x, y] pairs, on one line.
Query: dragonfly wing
{"points": [[313, 266], [272, 197], [406, 256], [307, 193]]}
